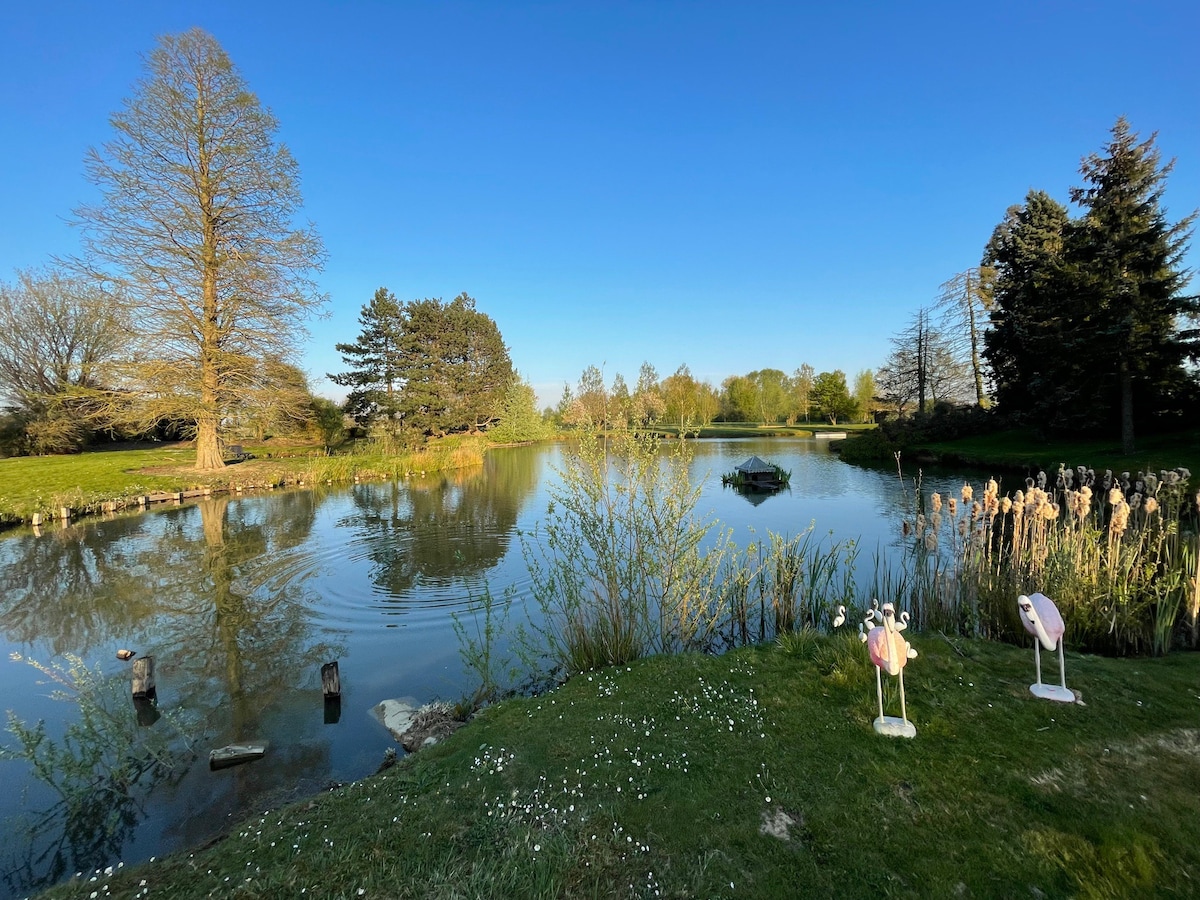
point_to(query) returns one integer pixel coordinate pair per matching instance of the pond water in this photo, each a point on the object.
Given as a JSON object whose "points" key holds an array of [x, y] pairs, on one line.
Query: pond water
{"points": [[240, 601]]}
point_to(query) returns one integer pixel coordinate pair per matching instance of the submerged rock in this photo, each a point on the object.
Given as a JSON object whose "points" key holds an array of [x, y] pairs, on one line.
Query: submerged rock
{"points": [[416, 726]]}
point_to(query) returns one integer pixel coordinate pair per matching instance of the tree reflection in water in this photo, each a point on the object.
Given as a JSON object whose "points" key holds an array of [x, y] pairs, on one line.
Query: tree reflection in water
{"points": [[208, 591], [446, 528]]}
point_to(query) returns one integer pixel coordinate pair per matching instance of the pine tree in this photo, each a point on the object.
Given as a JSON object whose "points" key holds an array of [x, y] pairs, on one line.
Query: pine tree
{"points": [[1126, 261], [374, 363], [1024, 345]]}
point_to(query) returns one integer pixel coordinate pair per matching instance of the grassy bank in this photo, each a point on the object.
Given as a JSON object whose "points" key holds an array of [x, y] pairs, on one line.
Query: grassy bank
{"points": [[1020, 451], [756, 774], [751, 430], [86, 481]]}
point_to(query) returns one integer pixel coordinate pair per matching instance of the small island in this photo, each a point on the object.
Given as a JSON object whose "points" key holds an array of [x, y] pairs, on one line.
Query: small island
{"points": [[757, 475]]}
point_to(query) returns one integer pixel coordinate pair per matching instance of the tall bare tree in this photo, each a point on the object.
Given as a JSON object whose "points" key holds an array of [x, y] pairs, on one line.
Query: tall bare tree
{"points": [[196, 225], [964, 301]]}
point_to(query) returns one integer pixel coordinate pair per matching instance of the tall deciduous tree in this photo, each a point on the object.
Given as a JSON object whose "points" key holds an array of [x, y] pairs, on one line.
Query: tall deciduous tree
{"points": [[864, 394], [832, 397], [964, 301], [679, 391], [196, 225], [801, 390]]}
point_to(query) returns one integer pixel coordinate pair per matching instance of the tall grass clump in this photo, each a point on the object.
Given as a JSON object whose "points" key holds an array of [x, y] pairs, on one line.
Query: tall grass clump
{"points": [[624, 566], [1118, 555], [621, 565]]}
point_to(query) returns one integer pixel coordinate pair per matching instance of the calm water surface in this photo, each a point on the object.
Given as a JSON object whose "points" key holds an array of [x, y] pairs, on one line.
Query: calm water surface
{"points": [[240, 601]]}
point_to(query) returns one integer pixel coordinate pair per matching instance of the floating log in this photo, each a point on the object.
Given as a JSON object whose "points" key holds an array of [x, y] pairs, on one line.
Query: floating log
{"points": [[235, 754], [143, 677], [331, 680], [162, 496], [187, 495]]}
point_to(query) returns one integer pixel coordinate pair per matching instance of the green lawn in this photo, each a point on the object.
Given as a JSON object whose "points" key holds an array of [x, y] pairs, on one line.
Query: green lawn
{"points": [[757, 774], [1018, 449], [84, 481]]}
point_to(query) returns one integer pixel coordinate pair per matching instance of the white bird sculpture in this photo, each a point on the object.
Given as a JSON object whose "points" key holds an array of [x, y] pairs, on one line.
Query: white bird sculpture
{"points": [[888, 650], [1041, 618], [840, 618]]}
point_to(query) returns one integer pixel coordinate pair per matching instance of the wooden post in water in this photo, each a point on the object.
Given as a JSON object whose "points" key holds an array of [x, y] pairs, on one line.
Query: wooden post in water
{"points": [[64, 513], [331, 680], [143, 677], [331, 687], [36, 520]]}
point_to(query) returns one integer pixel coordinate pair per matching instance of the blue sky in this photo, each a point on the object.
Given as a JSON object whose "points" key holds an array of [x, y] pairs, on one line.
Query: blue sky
{"points": [[733, 186]]}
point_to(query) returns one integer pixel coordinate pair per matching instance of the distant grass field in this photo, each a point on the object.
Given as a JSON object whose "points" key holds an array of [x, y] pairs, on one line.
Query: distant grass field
{"points": [[739, 430], [756, 774]]}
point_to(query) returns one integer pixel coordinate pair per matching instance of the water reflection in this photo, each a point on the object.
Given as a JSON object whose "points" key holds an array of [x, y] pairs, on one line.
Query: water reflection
{"points": [[240, 601], [443, 529]]}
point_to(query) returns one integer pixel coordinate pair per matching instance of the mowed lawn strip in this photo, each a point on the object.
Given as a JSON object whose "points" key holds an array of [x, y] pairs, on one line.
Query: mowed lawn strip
{"points": [[757, 774]]}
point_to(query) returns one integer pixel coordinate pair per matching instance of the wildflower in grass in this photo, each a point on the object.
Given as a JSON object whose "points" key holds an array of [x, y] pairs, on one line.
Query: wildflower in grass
{"points": [[1150, 506], [1006, 506], [1115, 496]]}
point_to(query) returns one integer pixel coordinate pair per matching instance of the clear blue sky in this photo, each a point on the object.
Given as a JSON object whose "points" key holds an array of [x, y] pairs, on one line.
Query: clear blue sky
{"points": [[733, 186]]}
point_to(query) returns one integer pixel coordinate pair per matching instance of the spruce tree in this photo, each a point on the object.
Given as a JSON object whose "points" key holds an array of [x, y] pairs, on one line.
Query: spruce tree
{"points": [[1131, 335]]}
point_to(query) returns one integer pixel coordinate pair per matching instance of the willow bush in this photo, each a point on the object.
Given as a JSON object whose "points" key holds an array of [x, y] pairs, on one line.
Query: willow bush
{"points": [[624, 566]]}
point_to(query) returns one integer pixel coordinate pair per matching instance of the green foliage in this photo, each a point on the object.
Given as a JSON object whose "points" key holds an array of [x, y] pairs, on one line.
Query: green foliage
{"points": [[831, 396], [618, 567], [327, 420], [102, 765], [425, 368], [373, 361], [519, 419], [1090, 319]]}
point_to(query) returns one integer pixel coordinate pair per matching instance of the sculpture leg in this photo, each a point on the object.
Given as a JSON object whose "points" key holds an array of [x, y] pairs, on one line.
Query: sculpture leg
{"points": [[1062, 665], [879, 689], [1037, 658], [903, 710]]}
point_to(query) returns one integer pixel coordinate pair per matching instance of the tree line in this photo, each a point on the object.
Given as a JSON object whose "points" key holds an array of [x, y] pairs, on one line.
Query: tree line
{"points": [[1079, 324], [765, 396]]}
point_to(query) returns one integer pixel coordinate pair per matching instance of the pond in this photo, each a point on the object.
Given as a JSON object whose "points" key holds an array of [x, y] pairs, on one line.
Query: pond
{"points": [[240, 602]]}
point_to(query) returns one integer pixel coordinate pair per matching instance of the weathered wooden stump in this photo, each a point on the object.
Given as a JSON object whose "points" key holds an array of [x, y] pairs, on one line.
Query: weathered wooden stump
{"points": [[331, 680], [143, 677], [36, 520], [64, 513]]}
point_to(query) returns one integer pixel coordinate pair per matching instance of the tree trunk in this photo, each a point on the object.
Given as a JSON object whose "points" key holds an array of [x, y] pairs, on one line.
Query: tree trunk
{"points": [[209, 454], [1126, 409]]}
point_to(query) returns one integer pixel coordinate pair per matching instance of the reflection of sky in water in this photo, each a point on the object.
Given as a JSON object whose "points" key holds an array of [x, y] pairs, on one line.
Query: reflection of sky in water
{"points": [[242, 600]]}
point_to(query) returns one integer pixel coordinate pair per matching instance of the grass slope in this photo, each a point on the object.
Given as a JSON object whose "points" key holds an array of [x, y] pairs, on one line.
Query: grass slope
{"points": [[84, 481], [757, 774], [1014, 449]]}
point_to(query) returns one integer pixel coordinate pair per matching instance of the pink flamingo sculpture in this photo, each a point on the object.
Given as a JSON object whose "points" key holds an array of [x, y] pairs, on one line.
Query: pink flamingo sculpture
{"points": [[1041, 618], [889, 650]]}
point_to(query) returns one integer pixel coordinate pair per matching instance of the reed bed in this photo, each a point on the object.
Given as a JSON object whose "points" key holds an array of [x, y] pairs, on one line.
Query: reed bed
{"points": [[1118, 554]]}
